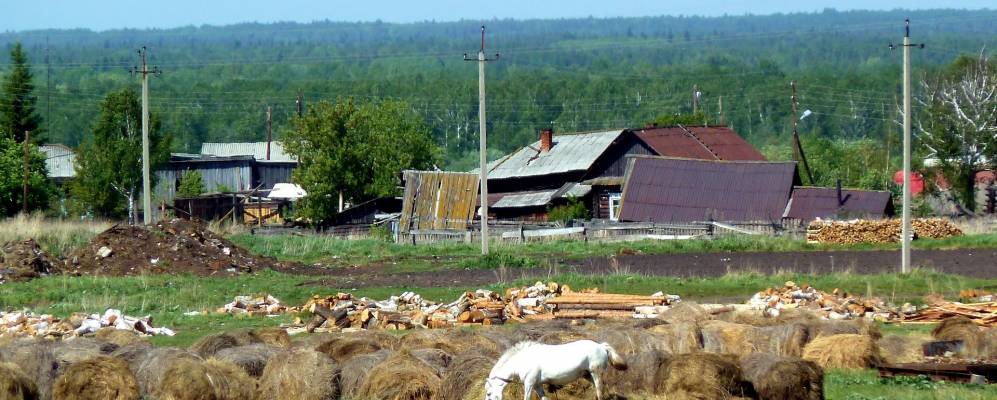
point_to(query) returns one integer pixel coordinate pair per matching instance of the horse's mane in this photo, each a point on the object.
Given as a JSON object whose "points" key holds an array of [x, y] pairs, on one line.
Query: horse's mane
{"points": [[518, 347]]}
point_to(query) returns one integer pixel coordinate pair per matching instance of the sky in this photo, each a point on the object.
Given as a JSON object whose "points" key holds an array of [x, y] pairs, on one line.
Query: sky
{"points": [[114, 14]]}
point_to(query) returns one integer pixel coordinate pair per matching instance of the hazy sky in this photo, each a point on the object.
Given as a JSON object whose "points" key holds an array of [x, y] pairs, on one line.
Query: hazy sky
{"points": [[110, 14]]}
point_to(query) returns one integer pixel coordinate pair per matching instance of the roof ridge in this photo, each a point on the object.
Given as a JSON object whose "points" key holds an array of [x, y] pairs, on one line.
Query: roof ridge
{"points": [[701, 143]]}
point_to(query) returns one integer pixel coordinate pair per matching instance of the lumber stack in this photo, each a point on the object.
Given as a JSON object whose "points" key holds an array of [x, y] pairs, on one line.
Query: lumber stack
{"points": [[249, 305], [983, 314], [837, 304], [877, 231]]}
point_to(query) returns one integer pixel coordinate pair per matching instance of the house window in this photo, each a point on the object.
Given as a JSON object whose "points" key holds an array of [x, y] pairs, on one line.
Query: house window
{"points": [[614, 206]]}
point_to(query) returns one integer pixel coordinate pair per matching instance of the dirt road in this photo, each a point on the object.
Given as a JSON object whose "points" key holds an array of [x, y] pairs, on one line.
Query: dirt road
{"points": [[981, 263]]}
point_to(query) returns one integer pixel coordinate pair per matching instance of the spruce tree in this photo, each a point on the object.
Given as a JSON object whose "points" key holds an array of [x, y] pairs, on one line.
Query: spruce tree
{"points": [[17, 106]]}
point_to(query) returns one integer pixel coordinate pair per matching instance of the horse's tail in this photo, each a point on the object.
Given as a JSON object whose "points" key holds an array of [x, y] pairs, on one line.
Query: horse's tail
{"points": [[615, 359]]}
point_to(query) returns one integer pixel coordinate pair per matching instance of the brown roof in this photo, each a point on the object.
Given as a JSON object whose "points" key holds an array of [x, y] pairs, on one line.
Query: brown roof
{"points": [[817, 202], [663, 189], [700, 142]]}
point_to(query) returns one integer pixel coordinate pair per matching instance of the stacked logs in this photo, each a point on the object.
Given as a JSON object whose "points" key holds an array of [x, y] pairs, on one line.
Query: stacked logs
{"points": [[877, 231], [837, 304]]}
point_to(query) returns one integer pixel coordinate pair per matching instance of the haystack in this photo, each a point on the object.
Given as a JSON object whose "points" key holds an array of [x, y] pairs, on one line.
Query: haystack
{"points": [[74, 350], [843, 351], [820, 328], [703, 376], [897, 349], [188, 379], [209, 345], [400, 377], [133, 353], [15, 385], [347, 348], [356, 369], [645, 373], [98, 378], [740, 339], [251, 358], [300, 374], [630, 340], [962, 328], [537, 329], [119, 337], [33, 357], [452, 341], [275, 337], [678, 338], [466, 371], [150, 369], [313, 340], [783, 378], [686, 311]]}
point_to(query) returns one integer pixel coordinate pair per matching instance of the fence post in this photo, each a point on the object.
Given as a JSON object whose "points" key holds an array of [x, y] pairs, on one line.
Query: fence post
{"points": [[467, 236], [522, 234], [585, 232], [412, 235]]}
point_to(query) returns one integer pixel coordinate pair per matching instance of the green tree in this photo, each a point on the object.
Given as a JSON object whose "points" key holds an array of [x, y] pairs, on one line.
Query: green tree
{"points": [[357, 151], [109, 164], [17, 106], [40, 188], [191, 184], [698, 118]]}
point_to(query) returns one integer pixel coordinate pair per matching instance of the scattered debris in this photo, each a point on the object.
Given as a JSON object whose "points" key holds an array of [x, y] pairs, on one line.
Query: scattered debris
{"points": [[23, 260], [982, 314], [104, 252], [24, 323], [262, 305], [877, 231], [835, 305]]}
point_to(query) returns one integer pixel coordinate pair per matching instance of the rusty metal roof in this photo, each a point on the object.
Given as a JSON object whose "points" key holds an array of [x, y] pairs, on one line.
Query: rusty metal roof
{"points": [[571, 152], [809, 203], [700, 142], [665, 189]]}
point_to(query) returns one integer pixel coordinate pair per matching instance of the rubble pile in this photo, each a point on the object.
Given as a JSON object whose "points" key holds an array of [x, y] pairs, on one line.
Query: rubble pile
{"points": [[24, 260], [175, 246], [249, 305], [982, 314], [24, 323], [835, 305], [877, 231], [481, 307]]}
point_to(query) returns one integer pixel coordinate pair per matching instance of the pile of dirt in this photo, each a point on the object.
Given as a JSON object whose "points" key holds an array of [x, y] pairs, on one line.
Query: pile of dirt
{"points": [[169, 247], [23, 261]]}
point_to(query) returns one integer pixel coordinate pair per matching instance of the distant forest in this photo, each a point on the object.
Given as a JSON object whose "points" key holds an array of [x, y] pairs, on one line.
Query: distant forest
{"points": [[576, 74]]}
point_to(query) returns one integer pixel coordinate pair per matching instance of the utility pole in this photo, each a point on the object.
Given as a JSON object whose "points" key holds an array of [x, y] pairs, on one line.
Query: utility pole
{"points": [[906, 231], [146, 182], [299, 103], [24, 180], [720, 104], [482, 134], [695, 98], [798, 154], [269, 129], [48, 90]]}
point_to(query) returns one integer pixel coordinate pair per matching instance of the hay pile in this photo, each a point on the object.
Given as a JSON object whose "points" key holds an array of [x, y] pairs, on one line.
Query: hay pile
{"points": [[843, 351], [679, 338], [73, 350], [300, 374], [897, 349], [15, 385], [703, 376], [150, 368], [252, 358], [645, 373], [355, 371], [35, 359], [739, 339], [437, 359], [821, 328], [209, 345], [342, 349], [188, 379], [961, 328], [275, 337], [400, 377], [467, 371], [98, 378], [133, 353], [783, 378], [120, 337]]}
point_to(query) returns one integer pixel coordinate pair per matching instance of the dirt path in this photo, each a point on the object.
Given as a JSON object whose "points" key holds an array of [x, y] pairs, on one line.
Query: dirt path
{"points": [[980, 263]]}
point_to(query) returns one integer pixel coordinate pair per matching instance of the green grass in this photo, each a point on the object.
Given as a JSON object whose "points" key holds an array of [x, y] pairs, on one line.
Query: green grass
{"points": [[326, 250], [166, 298], [867, 385]]}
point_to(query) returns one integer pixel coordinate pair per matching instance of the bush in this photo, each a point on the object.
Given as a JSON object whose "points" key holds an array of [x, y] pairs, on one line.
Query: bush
{"points": [[575, 209], [191, 184]]}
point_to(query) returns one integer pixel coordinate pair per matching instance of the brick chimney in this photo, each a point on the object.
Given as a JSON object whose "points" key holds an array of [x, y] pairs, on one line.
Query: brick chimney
{"points": [[546, 139]]}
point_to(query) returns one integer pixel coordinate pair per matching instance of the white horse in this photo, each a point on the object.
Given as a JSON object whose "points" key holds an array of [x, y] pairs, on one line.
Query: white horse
{"points": [[535, 364]]}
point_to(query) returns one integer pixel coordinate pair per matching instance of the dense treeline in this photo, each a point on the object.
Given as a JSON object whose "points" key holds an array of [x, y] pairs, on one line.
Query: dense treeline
{"points": [[578, 74]]}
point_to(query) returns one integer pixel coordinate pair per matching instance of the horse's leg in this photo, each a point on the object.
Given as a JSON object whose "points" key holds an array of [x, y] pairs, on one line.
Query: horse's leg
{"points": [[597, 382]]}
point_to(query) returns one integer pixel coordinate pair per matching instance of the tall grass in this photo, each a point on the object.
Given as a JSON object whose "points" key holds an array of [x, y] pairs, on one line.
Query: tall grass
{"points": [[57, 237]]}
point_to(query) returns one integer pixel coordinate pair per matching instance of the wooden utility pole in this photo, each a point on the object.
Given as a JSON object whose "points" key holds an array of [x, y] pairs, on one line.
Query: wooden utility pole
{"points": [[695, 99], [906, 230], [269, 129], [798, 154], [146, 181], [720, 104], [24, 180], [299, 103], [482, 135]]}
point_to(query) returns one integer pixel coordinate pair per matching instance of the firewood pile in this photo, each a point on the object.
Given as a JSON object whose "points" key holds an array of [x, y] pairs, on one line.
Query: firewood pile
{"points": [[24, 323], [835, 305], [877, 231], [983, 314], [259, 305], [481, 307]]}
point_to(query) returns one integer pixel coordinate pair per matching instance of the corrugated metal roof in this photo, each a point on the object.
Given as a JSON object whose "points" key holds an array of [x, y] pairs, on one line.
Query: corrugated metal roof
{"points": [[817, 202], [530, 199], [574, 152], [256, 149], [700, 142], [60, 161], [438, 200], [662, 189]]}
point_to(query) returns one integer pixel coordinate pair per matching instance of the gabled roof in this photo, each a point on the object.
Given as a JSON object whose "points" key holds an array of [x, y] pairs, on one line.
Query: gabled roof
{"points": [[700, 142], [256, 149], [664, 189], [571, 152], [60, 161], [810, 203]]}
